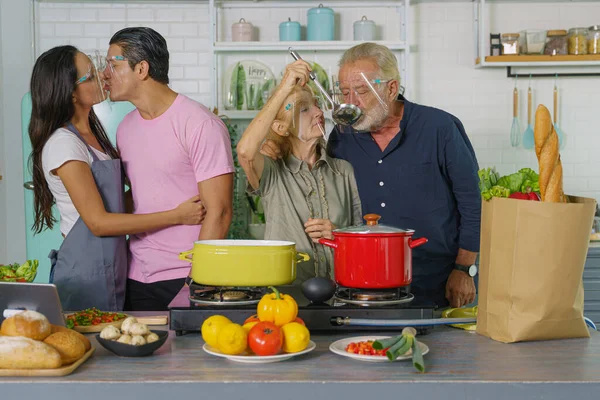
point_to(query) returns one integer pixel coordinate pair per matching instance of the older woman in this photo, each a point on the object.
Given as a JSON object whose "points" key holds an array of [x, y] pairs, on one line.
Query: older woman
{"points": [[306, 194]]}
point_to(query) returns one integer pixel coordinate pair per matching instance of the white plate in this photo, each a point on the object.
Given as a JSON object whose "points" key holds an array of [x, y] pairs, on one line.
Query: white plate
{"points": [[339, 347], [254, 359]]}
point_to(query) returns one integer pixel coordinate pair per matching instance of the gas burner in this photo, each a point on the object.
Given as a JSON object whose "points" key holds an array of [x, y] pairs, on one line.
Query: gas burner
{"points": [[368, 297], [225, 295]]}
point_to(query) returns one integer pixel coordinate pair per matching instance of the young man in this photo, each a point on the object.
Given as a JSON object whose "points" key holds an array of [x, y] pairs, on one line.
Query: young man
{"points": [[172, 148]]}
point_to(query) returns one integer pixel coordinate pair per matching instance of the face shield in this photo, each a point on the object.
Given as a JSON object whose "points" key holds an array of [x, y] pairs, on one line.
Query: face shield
{"points": [[111, 68], [307, 122], [370, 93], [91, 85]]}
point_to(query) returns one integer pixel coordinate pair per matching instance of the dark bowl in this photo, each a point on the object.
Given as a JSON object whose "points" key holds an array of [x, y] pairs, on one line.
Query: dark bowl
{"points": [[128, 350]]}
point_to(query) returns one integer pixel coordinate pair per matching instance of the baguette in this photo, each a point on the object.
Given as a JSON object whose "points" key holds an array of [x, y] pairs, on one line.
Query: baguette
{"points": [[547, 152], [30, 324], [23, 353]]}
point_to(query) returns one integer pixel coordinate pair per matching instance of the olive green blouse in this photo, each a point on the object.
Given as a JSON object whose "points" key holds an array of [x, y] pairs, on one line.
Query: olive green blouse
{"points": [[291, 193]]}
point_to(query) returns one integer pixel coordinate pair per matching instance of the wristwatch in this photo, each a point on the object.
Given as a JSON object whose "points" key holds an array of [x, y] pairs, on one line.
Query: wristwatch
{"points": [[470, 270]]}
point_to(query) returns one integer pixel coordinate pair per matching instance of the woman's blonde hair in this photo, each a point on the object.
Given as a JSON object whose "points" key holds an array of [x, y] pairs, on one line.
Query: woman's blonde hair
{"points": [[385, 59], [286, 114]]}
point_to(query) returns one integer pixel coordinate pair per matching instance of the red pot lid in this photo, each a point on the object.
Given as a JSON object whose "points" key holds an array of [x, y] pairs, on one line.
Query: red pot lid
{"points": [[373, 227]]}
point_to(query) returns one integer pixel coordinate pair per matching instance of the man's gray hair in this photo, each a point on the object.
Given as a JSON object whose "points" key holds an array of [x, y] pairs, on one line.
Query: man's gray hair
{"points": [[385, 59]]}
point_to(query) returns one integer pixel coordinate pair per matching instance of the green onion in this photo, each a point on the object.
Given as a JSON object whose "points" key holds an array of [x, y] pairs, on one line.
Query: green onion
{"points": [[417, 356], [399, 348], [385, 343]]}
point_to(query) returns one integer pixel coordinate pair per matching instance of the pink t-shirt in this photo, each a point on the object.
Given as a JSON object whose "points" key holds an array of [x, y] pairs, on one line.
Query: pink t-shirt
{"points": [[164, 159]]}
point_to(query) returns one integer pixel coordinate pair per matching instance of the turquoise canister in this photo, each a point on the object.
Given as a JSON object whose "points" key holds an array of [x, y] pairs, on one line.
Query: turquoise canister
{"points": [[289, 31], [320, 24]]}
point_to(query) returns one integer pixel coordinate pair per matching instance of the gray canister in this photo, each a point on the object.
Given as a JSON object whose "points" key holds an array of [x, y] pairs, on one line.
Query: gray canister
{"points": [[320, 24], [364, 29]]}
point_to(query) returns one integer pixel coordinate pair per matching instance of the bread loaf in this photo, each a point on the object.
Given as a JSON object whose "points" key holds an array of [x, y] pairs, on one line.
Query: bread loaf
{"points": [[30, 324], [24, 353], [547, 151], [68, 346], [84, 340]]}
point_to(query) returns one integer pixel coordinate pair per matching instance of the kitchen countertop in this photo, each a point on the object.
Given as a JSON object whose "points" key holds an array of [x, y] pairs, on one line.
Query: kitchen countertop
{"points": [[460, 365]]}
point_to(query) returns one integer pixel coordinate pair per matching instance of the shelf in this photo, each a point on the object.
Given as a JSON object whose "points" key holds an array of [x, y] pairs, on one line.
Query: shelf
{"points": [[540, 61], [238, 115], [224, 47]]}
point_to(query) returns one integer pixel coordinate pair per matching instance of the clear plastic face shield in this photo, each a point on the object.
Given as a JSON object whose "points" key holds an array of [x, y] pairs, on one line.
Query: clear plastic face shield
{"points": [[370, 93], [307, 121], [90, 85], [111, 68]]}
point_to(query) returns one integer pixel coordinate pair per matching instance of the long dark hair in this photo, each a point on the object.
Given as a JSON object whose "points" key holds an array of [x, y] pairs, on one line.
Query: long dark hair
{"points": [[52, 85]]}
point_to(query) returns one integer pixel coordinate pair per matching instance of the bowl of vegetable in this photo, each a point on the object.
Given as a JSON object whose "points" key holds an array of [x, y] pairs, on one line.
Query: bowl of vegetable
{"points": [[16, 272]]}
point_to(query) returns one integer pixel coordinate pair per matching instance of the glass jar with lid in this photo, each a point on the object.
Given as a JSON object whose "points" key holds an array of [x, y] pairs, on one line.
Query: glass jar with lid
{"points": [[578, 41], [510, 43], [594, 39], [556, 43]]}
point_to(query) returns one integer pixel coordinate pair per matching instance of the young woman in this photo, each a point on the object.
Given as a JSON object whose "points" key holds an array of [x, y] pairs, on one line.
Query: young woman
{"points": [[76, 167], [306, 194]]}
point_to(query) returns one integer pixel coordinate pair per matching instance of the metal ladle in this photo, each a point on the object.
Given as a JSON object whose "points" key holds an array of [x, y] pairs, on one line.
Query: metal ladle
{"points": [[344, 114]]}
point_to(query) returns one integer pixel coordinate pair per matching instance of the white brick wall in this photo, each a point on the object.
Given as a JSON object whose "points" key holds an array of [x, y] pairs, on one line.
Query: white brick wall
{"points": [[442, 65]]}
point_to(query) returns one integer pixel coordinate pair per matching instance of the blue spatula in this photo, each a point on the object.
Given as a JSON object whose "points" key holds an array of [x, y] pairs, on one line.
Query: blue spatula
{"points": [[528, 139]]}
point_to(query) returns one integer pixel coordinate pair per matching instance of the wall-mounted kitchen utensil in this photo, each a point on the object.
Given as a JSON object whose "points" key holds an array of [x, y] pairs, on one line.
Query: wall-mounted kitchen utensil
{"points": [[241, 31], [515, 131], [559, 132], [344, 114], [528, 139], [364, 29], [320, 23], [289, 31]]}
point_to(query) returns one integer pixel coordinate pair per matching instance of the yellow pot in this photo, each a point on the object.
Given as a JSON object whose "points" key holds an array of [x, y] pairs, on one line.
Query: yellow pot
{"points": [[243, 262]]}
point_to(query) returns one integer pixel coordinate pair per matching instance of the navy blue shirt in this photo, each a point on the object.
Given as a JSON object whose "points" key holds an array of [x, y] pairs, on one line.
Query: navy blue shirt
{"points": [[426, 180]]}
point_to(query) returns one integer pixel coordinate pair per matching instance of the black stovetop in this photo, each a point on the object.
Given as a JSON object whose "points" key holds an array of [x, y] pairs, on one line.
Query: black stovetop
{"points": [[187, 316]]}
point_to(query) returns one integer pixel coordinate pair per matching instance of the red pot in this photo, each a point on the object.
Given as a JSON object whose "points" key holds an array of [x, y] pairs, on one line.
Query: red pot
{"points": [[373, 256]]}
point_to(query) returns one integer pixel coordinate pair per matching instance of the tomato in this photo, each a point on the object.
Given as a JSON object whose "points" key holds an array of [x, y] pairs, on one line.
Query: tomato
{"points": [[299, 320], [364, 348], [253, 318], [265, 339]]}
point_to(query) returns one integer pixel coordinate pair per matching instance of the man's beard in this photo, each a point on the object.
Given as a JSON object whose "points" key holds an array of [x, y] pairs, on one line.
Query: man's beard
{"points": [[372, 120]]}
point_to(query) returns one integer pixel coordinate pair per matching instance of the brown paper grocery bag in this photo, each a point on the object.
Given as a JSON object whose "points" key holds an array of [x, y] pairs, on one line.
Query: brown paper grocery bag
{"points": [[531, 267]]}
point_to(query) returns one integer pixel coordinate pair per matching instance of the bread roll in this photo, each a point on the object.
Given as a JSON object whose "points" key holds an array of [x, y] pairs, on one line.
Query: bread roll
{"points": [[547, 151], [139, 329], [126, 339], [23, 353], [84, 340], [138, 340], [68, 346], [110, 332], [127, 322], [153, 337], [30, 324]]}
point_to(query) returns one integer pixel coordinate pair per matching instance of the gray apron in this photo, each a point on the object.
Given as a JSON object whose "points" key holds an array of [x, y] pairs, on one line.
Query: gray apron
{"points": [[91, 271]]}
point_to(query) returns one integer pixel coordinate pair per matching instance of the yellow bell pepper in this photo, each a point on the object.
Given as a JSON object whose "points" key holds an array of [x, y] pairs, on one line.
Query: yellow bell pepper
{"points": [[277, 308]]}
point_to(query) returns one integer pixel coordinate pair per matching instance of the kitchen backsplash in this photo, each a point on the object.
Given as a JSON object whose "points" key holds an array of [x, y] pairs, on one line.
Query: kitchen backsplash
{"points": [[442, 71]]}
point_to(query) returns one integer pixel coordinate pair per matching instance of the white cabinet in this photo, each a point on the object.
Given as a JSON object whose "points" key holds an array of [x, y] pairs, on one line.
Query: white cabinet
{"points": [[391, 18]]}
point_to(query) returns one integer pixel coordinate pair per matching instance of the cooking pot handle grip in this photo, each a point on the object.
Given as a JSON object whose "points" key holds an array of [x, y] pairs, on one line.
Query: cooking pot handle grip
{"points": [[300, 257], [328, 243], [416, 242], [184, 256]]}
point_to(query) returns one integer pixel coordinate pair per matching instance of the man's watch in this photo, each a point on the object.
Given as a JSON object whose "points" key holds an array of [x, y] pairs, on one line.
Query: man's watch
{"points": [[470, 270]]}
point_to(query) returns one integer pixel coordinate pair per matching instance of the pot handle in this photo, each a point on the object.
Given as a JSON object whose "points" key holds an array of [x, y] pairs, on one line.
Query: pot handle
{"points": [[329, 243], [300, 257], [412, 243], [184, 256]]}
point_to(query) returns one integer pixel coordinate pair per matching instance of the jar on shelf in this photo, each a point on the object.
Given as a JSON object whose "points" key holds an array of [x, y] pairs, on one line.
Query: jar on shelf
{"points": [[241, 31], [532, 41], [510, 43], [321, 24], [364, 29], [578, 41], [556, 43], [289, 31], [594, 39]]}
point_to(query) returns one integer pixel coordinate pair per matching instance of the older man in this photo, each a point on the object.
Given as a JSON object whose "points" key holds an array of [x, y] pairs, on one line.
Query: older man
{"points": [[415, 167]]}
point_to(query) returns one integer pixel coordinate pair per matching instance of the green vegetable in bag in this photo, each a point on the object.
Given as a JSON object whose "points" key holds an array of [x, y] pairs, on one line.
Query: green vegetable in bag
{"points": [[232, 93], [241, 86]]}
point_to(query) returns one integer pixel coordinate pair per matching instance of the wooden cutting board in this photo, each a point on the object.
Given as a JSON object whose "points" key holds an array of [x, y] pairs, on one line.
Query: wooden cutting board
{"points": [[150, 320], [62, 371]]}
